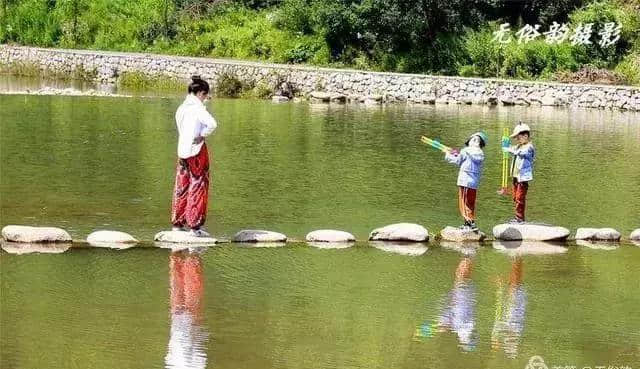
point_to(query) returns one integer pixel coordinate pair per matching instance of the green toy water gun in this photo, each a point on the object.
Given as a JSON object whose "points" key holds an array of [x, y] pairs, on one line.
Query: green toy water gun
{"points": [[505, 143], [435, 144]]}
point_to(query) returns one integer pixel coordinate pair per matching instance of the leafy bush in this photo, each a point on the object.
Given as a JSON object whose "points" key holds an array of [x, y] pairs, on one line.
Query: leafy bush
{"points": [[228, 85], [629, 69], [599, 13], [141, 81]]}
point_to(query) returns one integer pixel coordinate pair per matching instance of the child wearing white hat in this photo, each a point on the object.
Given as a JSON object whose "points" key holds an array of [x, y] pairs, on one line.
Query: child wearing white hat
{"points": [[521, 168], [470, 160]]}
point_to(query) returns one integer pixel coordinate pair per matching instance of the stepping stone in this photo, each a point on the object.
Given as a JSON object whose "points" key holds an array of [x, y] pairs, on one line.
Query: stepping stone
{"points": [[516, 248], [28, 248], [319, 97], [16, 233], [329, 235], [635, 235], [410, 249], [257, 235], [530, 232], [110, 237], [182, 237], [330, 245], [400, 232], [602, 245], [461, 235], [598, 234]]}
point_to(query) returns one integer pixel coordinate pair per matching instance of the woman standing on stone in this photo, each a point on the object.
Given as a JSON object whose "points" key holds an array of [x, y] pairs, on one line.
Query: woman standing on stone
{"points": [[191, 191]]}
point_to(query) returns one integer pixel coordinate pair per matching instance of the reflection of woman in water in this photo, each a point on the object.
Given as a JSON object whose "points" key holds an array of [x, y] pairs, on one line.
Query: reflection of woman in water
{"points": [[187, 343], [457, 316], [510, 310]]}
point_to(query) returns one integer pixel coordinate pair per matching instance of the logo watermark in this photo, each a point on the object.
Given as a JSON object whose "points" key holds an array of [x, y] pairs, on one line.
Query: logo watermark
{"points": [[608, 34], [537, 362]]}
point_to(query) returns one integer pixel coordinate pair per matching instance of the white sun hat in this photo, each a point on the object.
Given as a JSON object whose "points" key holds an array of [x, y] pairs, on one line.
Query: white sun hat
{"points": [[521, 127]]}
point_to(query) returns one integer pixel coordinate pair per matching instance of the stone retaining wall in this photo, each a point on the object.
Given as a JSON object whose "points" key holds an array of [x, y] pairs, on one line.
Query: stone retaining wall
{"points": [[338, 84]]}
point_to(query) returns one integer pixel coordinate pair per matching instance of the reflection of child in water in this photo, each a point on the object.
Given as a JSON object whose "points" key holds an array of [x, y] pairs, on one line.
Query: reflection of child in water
{"points": [[187, 343], [510, 310], [457, 316]]}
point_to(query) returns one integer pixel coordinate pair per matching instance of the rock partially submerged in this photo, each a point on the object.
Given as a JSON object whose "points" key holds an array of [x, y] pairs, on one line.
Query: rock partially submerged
{"points": [[182, 237], [402, 248], [28, 248], [17, 233], [258, 235], [598, 234], [400, 232], [461, 235], [329, 235], [517, 248], [529, 232], [635, 235], [279, 99]]}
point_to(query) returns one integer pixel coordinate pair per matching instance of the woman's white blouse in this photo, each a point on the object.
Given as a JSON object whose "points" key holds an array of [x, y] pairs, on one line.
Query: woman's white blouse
{"points": [[193, 120]]}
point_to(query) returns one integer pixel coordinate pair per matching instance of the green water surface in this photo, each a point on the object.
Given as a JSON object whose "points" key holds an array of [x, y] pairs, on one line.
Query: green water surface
{"points": [[85, 164]]}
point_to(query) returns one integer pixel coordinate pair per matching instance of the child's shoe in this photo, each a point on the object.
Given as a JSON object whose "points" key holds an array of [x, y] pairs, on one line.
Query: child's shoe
{"points": [[466, 226], [516, 221], [473, 226]]}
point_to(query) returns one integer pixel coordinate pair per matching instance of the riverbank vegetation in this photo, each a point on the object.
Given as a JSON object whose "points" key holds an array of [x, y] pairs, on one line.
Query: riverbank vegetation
{"points": [[455, 37]]}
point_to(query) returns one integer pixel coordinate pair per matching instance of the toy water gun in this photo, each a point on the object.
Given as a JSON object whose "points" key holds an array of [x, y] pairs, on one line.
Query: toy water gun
{"points": [[435, 144], [505, 142]]}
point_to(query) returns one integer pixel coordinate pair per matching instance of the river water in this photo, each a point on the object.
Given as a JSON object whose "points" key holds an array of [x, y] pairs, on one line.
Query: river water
{"points": [[89, 163]]}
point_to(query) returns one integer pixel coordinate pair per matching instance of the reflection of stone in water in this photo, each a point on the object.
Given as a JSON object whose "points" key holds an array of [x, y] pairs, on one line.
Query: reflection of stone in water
{"points": [[510, 311], [112, 245], [637, 243], [598, 245], [180, 247], [528, 248], [330, 245], [402, 248], [465, 248], [20, 248], [188, 336], [258, 245]]}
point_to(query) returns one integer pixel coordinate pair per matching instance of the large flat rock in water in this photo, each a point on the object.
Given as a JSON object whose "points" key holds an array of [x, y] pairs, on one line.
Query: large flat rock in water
{"points": [[529, 232], [182, 237], [110, 237], [598, 234], [400, 232], [635, 235], [329, 235], [40, 247], [17, 233], [461, 235], [258, 235]]}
